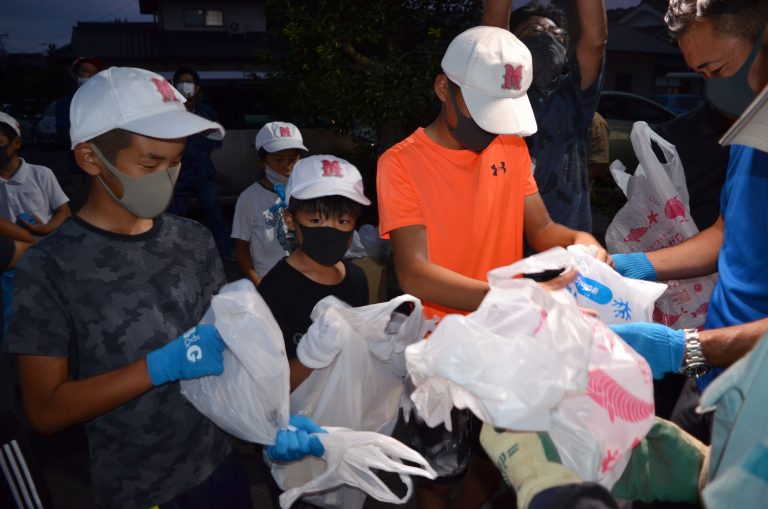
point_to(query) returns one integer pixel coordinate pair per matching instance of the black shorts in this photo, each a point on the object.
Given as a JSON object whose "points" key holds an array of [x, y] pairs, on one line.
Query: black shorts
{"points": [[7, 248], [448, 452]]}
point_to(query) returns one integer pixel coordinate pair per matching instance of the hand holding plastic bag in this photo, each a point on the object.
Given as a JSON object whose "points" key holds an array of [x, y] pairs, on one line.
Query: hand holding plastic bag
{"points": [[250, 398], [350, 458]]}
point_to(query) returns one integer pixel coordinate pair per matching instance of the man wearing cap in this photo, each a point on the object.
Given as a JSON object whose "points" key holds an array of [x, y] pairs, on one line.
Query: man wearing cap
{"points": [[456, 199], [123, 282], [260, 238]]}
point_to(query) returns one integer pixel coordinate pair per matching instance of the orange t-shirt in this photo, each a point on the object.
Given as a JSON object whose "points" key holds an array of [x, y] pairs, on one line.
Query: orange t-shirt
{"points": [[471, 204]]}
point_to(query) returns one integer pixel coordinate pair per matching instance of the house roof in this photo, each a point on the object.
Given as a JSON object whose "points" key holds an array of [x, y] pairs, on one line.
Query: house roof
{"points": [[626, 39]]}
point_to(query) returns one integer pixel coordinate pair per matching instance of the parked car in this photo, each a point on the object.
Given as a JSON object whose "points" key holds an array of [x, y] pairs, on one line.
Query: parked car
{"points": [[680, 103], [45, 131], [621, 110]]}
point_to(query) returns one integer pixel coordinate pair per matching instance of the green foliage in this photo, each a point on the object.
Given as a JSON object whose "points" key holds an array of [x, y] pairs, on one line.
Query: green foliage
{"points": [[364, 68]]}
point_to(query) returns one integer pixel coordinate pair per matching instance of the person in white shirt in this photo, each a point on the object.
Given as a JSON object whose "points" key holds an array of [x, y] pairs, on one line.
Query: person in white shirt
{"points": [[256, 231], [30, 195]]}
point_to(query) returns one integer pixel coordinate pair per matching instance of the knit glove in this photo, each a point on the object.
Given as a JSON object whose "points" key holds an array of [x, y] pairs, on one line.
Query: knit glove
{"points": [[665, 466], [196, 353], [634, 265], [298, 440], [661, 346], [528, 461]]}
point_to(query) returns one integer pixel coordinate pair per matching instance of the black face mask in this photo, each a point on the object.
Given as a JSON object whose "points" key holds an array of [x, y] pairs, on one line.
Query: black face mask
{"points": [[467, 133], [549, 59], [324, 244], [5, 159]]}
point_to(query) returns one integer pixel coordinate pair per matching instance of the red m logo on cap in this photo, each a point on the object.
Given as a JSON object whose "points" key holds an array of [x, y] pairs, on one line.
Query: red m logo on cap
{"points": [[331, 168], [285, 132], [165, 89], [512, 77]]}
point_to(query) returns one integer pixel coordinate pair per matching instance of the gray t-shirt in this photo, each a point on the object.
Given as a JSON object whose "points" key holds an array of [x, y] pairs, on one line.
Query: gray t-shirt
{"points": [[120, 297]]}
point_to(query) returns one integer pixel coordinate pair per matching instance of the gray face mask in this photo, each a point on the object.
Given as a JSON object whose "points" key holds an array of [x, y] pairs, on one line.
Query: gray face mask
{"points": [[732, 95], [146, 196]]}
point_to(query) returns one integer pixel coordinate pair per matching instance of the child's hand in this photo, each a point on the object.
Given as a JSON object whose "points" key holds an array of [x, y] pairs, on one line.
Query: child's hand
{"points": [[297, 441], [32, 223], [194, 354]]}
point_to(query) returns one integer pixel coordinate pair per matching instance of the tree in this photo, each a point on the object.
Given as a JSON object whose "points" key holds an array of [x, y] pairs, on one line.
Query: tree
{"points": [[364, 68]]}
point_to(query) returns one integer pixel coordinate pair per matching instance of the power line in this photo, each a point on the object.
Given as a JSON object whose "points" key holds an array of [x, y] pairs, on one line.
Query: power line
{"points": [[110, 13]]}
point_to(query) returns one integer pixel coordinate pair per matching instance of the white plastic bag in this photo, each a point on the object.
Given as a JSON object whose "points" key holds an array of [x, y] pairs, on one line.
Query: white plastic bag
{"points": [[358, 357], [528, 359], [250, 398], [616, 299], [657, 215], [359, 363], [348, 460]]}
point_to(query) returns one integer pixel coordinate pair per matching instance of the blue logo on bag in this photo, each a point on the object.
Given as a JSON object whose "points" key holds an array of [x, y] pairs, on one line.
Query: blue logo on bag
{"points": [[593, 290]]}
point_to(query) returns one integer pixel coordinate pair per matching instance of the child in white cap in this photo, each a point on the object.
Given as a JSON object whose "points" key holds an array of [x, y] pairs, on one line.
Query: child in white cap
{"points": [[457, 198], [129, 284], [259, 237], [325, 199], [30, 195]]}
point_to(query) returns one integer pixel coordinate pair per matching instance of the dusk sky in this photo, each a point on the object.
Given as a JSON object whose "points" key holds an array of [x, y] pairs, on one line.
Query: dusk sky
{"points": [[31, 24]]}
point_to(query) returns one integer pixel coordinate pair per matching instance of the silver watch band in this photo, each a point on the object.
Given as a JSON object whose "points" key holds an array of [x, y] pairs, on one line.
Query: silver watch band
{"points": [[694, 362]]}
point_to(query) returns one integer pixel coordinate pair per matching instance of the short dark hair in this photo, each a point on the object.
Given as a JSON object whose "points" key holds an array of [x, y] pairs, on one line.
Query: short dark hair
{"points": [[112, 142], [326, 206], [186, 70], [535, 9], [8, 131], [742, 18]]}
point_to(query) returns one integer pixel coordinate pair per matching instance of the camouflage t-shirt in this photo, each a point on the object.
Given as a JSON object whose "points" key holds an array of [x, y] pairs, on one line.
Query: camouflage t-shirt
{"points": [[120, 297]]}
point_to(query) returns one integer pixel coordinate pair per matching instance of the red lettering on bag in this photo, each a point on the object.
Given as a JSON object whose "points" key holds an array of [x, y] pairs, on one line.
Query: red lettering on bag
{"points": [[512, 77], [165, 89], [331, 168]]}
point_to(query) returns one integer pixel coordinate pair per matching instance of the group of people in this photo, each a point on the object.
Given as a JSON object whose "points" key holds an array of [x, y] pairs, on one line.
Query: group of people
{"points": [[119, 290]]}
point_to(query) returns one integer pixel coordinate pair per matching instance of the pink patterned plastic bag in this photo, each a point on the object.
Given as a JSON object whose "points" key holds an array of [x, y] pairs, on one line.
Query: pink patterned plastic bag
{"points": [[655, 216], [528, 359]]}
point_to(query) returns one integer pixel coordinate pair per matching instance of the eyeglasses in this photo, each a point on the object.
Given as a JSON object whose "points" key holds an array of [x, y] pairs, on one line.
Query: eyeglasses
{"points": [[538, 28]]}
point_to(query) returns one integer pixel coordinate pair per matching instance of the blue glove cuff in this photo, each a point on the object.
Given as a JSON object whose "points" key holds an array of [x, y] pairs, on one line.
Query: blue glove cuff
{"points": [[635, 266]]}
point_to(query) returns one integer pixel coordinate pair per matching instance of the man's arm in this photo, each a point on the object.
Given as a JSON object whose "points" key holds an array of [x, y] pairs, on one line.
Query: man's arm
{"points": [[593, 36], [695, 257], [54, 403], [542, 233], [496, 13], [244, 260], [723, 347], [429, 281]]}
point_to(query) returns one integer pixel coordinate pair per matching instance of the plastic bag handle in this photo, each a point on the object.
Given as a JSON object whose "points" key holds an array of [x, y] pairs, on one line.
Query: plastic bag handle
{"points": [[641, 137], [620, 176]]}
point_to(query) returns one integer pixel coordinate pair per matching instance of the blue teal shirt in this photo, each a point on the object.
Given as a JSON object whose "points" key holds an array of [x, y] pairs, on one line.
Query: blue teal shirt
{"points": [[741, 293]]}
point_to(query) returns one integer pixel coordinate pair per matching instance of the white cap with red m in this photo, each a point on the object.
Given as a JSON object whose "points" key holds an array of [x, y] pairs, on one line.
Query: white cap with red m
{"points": [[325, 175]]}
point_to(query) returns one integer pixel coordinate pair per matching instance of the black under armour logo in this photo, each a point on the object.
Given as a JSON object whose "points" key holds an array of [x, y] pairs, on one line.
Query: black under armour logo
{"points": [[496, 169]]}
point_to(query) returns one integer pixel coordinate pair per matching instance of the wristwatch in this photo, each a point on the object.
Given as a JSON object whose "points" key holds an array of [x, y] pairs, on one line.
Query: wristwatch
{"points": [[694, 362]]}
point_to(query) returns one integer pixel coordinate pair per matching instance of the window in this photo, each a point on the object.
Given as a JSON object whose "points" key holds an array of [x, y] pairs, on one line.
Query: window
{"points": [[203, 18]]}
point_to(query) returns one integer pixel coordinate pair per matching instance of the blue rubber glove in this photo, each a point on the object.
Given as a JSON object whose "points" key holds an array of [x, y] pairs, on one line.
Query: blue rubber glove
{"points": [[634, 265], [661, 346], [195, 353], [292, 445]]}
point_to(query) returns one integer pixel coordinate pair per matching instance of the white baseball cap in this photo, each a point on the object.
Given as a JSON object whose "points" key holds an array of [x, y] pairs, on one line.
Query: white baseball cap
{"points": [[136, 100], [325, 175], [7, 119], [493, 69], [277, 136]]}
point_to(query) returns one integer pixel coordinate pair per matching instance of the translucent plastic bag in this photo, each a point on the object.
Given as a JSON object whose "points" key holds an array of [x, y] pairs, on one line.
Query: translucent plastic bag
{"points": [[250, 398], [657, 215], [359, 363], [528, 359], [349, 459]]}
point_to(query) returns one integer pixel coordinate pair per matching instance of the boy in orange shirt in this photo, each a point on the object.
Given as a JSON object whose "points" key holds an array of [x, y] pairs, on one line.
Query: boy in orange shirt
{"points": [[456, 199]]}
